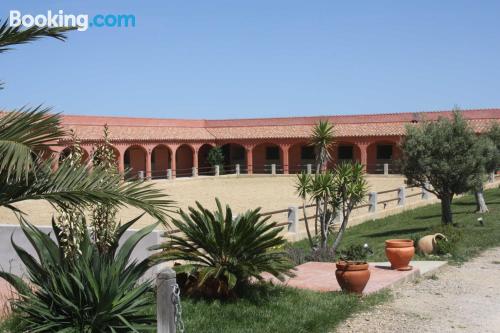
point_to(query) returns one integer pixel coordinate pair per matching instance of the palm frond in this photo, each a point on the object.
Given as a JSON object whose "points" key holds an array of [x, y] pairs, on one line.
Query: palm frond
{"points": [[23, 134], [10, 36], [80, 186]]}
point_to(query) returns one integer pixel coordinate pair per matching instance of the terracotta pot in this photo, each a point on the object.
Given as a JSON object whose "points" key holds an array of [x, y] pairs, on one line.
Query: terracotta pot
{"points": [[427, 244], [399, 252], [352, 276]]}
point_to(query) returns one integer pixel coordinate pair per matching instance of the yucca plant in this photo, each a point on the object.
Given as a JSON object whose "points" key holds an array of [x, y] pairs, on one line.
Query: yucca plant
{"points": [[89, 293], [219, 252]]}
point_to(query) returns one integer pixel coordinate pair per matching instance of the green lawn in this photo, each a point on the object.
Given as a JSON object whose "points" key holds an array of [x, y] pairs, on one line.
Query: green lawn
{"points": [[470, 237]]}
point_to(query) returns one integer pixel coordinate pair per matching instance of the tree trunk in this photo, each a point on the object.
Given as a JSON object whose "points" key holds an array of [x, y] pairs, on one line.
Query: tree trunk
{"points": [[311, 243], [446, 214], [480, 202], [324, 226], [340, 234]]}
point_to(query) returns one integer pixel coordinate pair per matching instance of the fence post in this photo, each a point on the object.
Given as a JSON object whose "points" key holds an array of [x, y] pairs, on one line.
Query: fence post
{"points": [[273, 169], [425, 193], [309, 169], [238, 170], [386, 169], [195, 171], [217, 170], [293, 218], [401, 196], [165, 308], [169, 173], [140, 175], [373, 202]]}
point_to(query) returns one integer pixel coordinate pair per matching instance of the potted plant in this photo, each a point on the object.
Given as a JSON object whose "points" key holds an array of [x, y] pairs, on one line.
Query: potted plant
{"points": [[352, 269]]}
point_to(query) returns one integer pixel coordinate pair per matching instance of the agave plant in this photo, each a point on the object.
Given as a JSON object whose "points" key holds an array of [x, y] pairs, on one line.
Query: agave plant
{"points": [[89, 293], [220, 252]]}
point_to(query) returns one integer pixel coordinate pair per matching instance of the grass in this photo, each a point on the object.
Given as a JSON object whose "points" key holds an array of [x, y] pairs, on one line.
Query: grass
{"points": [[469, 238], [276, 309]]}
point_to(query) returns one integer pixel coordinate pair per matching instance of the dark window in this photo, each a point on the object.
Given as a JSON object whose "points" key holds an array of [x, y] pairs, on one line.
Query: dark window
{"points": [[272, 153], [126, 157], [238, 153], [346, 153], [307, 153], [384, 152]]}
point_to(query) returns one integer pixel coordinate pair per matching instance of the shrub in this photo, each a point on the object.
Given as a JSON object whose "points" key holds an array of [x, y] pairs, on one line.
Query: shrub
{"points": [[89, 293], [354, 252], [220, 252]]}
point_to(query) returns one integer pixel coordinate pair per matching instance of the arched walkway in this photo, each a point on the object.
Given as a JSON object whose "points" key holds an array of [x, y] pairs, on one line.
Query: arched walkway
{"points": [[160, 161], [184, 161], [300, 155], [234, 154], [381, 152], [135, 161], [266, 154], [346, 152], [204, 168]]}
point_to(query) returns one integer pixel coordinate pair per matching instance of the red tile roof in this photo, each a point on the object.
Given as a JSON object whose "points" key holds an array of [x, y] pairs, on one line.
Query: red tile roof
{"points": [[126, 128]]}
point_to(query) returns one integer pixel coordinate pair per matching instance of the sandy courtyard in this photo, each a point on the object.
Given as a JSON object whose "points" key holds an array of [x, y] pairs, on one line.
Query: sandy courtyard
{"points": [[242, 193]]}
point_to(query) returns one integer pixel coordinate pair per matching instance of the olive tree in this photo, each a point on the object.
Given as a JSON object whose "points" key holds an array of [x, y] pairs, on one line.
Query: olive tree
{"points": [[442, 156]]}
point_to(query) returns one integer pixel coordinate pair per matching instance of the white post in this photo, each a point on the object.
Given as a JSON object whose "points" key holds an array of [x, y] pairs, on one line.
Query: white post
{"points": [[373, 202], [491, 177], [217, 170], [165, 308], [293, 218], [386, 169], [309, 169], [238, 170], [169, 173], [401, 196], [273, 169], [425, 193], [195, 171], [140, 175]]}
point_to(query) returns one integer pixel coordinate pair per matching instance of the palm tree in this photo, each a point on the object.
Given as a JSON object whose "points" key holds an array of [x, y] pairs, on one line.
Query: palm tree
{"points": [[26, 163], [322, 140]]}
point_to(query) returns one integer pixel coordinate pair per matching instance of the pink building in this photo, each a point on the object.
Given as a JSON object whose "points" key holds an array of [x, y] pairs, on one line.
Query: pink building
{"points": [[154, 146]]}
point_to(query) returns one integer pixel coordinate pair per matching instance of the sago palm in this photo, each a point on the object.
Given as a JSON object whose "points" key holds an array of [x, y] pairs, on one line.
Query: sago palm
{"points": [[219, 251]]}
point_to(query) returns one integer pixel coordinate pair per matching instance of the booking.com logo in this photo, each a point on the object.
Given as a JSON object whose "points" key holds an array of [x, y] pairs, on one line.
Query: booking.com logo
{"points": [[60, 19]]}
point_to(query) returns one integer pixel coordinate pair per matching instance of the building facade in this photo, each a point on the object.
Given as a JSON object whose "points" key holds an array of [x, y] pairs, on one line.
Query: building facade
{"points": [[157, 148]]}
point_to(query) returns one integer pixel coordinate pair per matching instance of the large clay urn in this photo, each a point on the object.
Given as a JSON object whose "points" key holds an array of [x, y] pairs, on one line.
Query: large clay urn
{"points": [[427, 244], [352, 276], [399, 252]]}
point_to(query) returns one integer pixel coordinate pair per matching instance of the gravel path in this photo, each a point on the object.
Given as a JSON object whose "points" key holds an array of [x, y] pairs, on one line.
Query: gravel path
{"points": [[456, 299]]}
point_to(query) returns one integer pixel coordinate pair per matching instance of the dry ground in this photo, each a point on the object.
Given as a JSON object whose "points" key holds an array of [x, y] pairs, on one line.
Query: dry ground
{"points": [[458, 299], [242, 193]]}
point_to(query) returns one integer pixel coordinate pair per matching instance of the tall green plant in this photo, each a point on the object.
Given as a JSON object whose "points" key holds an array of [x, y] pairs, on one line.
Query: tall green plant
{"points": [[339, 191], [218, 252], [90, 293], [103, 222]]}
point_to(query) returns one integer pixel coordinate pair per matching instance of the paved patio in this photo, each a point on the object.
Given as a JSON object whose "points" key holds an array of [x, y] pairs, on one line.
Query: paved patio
{"points": [[320, 276]]}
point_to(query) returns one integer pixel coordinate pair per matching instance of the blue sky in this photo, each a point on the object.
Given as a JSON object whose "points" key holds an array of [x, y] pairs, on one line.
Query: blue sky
{"points": [[240, 59]]}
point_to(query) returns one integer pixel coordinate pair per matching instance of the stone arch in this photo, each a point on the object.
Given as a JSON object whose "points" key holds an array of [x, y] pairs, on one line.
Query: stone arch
{"points": [[234, 153], [299, 155], [160, 161], [134, 160], [184, 160], [380, 152], [265, 154], [204, 168]]}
